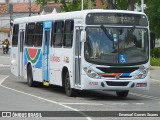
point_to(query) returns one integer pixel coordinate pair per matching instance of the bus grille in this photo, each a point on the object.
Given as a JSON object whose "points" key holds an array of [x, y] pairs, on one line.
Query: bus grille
{"points": [[113, 72], [109, 83], [118, 70]]}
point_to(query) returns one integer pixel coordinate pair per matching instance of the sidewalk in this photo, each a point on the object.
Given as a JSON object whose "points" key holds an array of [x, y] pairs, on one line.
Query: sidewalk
{"points": [[155, 72]]}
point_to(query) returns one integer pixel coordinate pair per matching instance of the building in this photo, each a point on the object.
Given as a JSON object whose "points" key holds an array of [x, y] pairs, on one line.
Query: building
{"points": [[19, 8]]}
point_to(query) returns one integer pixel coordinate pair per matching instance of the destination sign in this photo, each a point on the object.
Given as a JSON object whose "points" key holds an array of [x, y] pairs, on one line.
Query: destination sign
{"points": [[116, 19]]}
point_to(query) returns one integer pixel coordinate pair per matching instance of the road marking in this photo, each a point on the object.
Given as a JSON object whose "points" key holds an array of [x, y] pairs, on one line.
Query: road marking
{"points": [[120, 103], [80, 104], [145, 96], [51, 101], [4, 56], [2, 65], [1, 81], [139, 103]]}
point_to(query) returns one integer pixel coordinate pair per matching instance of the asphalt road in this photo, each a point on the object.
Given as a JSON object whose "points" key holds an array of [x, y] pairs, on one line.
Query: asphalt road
{"points": [[15, 95]]}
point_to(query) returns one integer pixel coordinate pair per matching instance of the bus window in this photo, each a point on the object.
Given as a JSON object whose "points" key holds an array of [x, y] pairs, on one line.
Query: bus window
{"points": [[30, 34], [52, 34], [58, 34], [15, 35], [68, 33], [38, 34]]}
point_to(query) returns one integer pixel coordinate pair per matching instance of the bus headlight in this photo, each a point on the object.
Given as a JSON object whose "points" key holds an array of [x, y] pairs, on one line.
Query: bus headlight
{"points": [[91, 73], [142, 74]]}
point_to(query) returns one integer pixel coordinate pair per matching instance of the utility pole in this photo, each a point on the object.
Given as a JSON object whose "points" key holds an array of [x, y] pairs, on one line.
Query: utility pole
{"points": [[10, 13], [30, 8], [82, 2], [89, 4], [142, 5]]}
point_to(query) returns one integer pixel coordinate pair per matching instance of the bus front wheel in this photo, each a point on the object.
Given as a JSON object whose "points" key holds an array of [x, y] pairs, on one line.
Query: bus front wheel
{"points": [[122, 94], [30, 81], [69, 91]]}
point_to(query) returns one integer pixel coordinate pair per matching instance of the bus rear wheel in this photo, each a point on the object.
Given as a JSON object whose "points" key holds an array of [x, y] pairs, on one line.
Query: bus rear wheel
{"points": [[30, 81], [69, 91], [122, 94]]}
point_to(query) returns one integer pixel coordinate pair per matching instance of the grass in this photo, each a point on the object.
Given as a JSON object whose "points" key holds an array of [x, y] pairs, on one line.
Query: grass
{"points": [[155, 61]]}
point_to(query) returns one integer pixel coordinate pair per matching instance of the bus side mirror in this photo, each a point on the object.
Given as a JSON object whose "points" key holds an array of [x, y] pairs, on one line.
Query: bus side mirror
{"points": [[152, 40], [83, 36]]}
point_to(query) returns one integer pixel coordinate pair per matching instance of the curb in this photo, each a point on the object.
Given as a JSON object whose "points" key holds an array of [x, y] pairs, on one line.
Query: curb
{"points": [[155, 80], [154, 67]]}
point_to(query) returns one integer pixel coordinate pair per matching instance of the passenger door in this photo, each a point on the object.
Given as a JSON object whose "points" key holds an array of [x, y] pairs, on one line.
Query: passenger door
{"points": [[78, 56], [17, 50], [47, 30], [21, 50]]}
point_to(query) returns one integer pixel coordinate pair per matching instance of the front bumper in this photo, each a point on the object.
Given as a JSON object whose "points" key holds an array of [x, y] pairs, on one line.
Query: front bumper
{"points": [[114, 84]]}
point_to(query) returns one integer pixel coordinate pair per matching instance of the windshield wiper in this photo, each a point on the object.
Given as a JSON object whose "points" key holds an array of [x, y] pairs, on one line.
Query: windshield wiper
{"points": [[107, 33]]}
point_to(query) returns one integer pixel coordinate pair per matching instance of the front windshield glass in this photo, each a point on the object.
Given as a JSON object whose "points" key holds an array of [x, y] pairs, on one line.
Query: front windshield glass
{"points": [[116, 45]]}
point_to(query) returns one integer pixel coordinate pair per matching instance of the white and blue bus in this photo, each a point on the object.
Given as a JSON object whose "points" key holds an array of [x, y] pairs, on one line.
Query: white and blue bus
{"points": [[83, 50]]}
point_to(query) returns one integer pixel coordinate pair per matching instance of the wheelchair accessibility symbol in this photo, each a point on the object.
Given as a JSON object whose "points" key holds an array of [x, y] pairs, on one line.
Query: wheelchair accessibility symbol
{"points": [[123, 58]]}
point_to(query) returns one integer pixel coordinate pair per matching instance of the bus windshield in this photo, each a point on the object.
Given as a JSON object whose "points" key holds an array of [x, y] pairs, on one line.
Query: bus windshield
{"points": [[105, 45]]}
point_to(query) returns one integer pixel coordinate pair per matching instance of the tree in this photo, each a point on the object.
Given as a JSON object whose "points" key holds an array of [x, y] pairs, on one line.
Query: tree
{"points": [[110, 4], [131, 4], [120, 4], [68, 6], [153, 13], [41, 2], [73, 6], [152, 10]]}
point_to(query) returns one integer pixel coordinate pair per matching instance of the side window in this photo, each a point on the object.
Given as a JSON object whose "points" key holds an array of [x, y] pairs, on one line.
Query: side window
{"points": [[29, 41], [38, 34], [68, 33], [15, 35], [52, 34], [58, 33]]}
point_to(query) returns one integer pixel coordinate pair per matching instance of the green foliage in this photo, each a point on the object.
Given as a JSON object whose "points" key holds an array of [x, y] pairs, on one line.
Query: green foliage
{"points": [[122, 4], [68, 6], [153, 12], [155, 57], [155, 61], [155, 53], [75, 5], [41, 2]]}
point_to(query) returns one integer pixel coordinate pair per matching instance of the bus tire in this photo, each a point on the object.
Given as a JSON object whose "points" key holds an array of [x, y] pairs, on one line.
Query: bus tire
{"points": [[68, 90], [30, 81], [122, 94]]}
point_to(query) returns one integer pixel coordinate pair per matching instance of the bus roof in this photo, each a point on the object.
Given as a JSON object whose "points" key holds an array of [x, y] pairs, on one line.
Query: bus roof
{"points": [[68, 15]]}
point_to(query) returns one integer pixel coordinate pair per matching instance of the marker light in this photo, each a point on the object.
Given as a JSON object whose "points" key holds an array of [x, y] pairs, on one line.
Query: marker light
{"points": [[91, 73], [141, 85]]}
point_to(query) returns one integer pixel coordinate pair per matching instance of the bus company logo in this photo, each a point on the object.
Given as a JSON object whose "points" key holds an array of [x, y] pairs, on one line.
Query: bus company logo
{"points": [[117, 76], [33, 55]]}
